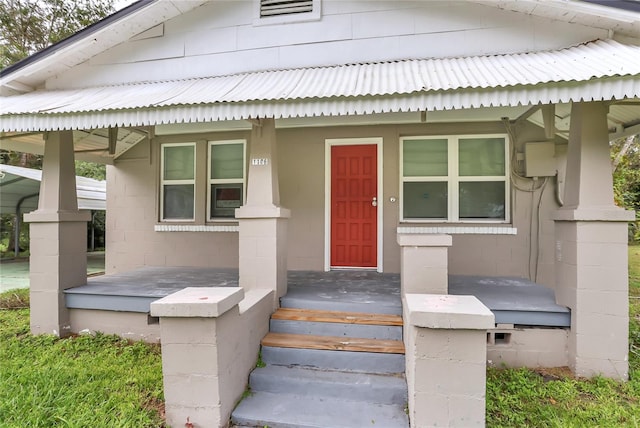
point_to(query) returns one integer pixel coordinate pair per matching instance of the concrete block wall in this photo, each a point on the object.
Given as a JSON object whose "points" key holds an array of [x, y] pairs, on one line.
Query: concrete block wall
{"points": [[592, 266], [210, 341], [446, 351], [130, 325], [527, 347], [132, 242]]}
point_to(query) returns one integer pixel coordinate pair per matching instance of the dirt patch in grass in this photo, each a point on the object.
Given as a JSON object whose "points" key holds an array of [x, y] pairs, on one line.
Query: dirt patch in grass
{"points": [[15, 299], [555, 373], [156, 405]]}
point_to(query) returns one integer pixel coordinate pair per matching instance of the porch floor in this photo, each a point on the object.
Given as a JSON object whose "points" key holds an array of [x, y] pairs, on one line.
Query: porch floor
{"points": [[512, 300]]}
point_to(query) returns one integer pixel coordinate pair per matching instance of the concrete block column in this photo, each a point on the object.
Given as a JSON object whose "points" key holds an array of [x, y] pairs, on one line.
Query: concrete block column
{"points": [[262, 222], [196, 324], [591, 251], [58, 234], [592, 280], [424, 263], [446, 354], [263, 249]]}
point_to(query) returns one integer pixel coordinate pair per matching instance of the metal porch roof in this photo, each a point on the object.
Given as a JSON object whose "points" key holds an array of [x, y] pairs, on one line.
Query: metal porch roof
{"points": [[599, 70], [23, 184]]}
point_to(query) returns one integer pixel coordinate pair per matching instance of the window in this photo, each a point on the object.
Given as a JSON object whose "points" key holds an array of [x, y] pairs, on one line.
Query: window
{"points": [[187, 169], [456, 178], [226, 178], [177, 197]]}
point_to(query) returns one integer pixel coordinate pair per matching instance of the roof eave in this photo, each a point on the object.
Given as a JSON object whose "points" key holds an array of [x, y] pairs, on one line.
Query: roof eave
{"points": [[89, 42], [602, 89]]}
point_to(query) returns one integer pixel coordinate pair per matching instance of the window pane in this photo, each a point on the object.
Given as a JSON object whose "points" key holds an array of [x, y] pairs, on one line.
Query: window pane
{"points": [[178, 162], [481, 156], [227, 161], [424, 158], [425, 200], [482, 199], [178, 202], [225, 198]]}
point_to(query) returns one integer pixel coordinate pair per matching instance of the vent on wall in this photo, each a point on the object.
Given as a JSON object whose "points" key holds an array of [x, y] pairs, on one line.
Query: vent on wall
{"points": [[270, 8]]}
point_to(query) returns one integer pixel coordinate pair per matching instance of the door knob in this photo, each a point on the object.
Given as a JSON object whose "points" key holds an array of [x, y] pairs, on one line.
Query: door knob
{"points": [[374, 202]]}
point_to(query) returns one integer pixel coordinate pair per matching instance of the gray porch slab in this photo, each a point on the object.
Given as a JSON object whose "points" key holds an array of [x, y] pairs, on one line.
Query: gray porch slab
{"points": [[351, 291], [134, 291], [512, 300]]}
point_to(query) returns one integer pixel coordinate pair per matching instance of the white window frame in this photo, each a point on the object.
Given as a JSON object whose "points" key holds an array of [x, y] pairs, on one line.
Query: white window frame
{"points": [[211, 181], [453, 180], [164, 182], [314, 15]]}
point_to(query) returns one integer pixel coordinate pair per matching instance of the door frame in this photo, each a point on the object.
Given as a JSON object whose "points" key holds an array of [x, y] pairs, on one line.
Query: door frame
{"points": [[327, 193]]}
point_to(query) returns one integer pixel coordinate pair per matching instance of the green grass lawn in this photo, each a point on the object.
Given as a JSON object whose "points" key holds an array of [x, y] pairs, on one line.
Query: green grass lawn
{"points": [[105, 381], [84, 381], [554, 398]]}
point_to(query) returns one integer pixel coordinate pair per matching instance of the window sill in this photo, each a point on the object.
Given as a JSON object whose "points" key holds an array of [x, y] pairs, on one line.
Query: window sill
{"points": [[196, 228], [459, 230]]}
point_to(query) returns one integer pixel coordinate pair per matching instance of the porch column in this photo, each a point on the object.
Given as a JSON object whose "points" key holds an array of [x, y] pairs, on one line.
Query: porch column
{"points": [[446, 359], [591, 250], [58, 238], [423, 263], [262, 221]]}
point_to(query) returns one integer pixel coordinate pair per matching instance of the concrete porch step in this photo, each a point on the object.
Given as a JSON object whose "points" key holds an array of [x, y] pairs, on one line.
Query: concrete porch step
{"points": [[330, 362], [298, 411], [333, 343], [297, 314], [347, 361], [335, 323], [360, 302], [373, 388]]}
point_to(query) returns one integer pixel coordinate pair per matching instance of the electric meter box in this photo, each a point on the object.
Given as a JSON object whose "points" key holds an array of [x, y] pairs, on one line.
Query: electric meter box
{"points": [[540, 159]]}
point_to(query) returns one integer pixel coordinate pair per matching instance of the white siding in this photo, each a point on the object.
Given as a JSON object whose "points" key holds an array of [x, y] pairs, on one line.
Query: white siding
{"points": [[218, 38]]}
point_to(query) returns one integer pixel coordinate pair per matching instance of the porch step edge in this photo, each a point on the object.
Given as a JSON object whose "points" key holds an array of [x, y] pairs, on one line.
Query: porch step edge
{"points": [[333, 343], [296, 301], [315, 315], [367, 387], [347, 361], [389, 332], [295, 411]]}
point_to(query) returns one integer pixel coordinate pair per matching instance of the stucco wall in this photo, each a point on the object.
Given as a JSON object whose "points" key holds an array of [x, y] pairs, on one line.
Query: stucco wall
{"points": [[133, 213]]}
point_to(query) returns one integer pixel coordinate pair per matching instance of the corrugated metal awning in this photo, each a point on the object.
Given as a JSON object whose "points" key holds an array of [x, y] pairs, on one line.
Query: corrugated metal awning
{"points": [[600, 70], [21, 186]]}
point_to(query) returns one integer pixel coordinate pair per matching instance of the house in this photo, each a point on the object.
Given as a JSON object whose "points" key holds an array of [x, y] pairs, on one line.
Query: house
{"points": [[435, 140]]}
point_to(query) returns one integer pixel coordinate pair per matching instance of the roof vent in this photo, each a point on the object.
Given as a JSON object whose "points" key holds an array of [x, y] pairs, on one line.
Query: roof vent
{"points": [[284, 7]]}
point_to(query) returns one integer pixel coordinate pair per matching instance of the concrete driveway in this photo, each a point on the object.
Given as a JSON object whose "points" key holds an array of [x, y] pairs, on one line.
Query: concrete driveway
{"points": [[15, 273]]}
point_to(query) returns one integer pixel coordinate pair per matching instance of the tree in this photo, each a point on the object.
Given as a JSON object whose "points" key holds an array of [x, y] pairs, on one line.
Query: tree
{"points": [[28, 26], [625, 154]]}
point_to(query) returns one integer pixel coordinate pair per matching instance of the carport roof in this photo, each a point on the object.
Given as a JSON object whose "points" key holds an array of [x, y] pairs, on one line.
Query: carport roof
{"points": [[21, 186]]}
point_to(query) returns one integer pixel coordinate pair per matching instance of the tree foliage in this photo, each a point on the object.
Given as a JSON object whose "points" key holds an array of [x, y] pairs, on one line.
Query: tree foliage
{"points": [[28, 26], [625, 153]]}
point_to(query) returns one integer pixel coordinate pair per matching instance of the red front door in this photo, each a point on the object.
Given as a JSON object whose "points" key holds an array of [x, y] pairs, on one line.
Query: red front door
{"points": [[354, 200]]}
